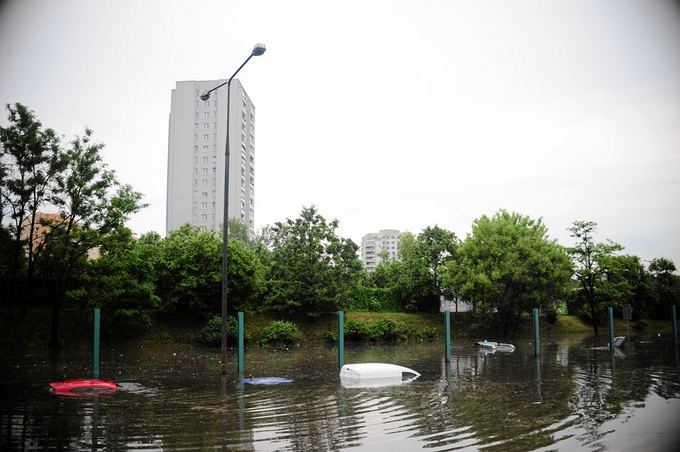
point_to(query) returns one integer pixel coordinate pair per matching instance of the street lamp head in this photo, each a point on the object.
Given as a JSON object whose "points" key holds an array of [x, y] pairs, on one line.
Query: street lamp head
{"points": [[205, 96], [259, 49]]}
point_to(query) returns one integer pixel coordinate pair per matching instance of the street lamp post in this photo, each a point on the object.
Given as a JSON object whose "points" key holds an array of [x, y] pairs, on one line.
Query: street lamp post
{"points": [[258, 50]]}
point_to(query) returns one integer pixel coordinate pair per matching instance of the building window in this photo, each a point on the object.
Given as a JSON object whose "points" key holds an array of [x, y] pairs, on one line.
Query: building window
{"points": [[204, 217], [204, 205], [207, 104], [206, 125], [204, 160], [195, 125], [205, 148], [195, 170], [204, 183], [204, 194], [206, 114], [205, 171], [205, 137]]}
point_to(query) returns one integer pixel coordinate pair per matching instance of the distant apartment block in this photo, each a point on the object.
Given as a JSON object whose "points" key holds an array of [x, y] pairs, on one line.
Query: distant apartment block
{"points": [[196, 145], [379, 245]]}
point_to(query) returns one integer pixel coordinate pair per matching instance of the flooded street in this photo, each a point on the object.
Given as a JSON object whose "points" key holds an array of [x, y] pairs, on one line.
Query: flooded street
{"points": [[571, 398]]}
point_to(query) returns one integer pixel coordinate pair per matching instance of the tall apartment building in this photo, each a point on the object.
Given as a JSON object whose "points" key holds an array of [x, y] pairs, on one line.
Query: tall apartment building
{"points": [[378, 244], [196, 142]]}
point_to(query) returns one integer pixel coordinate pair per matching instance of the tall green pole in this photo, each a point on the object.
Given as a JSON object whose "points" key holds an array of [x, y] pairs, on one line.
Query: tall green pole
{"points": [[341, 338], [95, 348], [447, 334], [610, 327], [537, 333], [675, 324], [241, 348]]}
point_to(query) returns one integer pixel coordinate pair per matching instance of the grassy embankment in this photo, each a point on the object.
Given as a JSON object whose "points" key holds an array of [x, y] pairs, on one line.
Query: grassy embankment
{"points": [[76, 329]]}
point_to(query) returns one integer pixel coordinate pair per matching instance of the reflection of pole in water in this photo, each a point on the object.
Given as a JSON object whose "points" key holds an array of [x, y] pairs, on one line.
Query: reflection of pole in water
{"points": [[223, 398], [539, 382], [240, 397], [95, 421]]}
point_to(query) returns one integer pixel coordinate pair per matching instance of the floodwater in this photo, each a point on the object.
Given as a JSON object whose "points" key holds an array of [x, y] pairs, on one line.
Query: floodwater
{"points": [[570, 398]]}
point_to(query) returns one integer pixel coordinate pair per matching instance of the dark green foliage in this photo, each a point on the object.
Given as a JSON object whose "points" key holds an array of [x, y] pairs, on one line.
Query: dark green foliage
{"points": [[429, 334], [356, 330], [413, 283], [379, 330], [121, 282], [211, 333], [310, 267], [280, 332], [189, 273], [388, 330], [506, 267]]}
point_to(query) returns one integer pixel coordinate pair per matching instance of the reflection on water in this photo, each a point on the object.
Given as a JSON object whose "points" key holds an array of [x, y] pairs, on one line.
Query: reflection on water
{"points": [[570, 397]]}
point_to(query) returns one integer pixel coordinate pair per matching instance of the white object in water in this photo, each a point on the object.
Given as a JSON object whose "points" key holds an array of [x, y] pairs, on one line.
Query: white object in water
{"points": [[495, 346], [373, 375], [619, 341]]}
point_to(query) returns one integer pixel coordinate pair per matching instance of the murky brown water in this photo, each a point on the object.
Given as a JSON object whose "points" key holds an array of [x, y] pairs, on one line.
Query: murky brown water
{"points": [[572, 398]]}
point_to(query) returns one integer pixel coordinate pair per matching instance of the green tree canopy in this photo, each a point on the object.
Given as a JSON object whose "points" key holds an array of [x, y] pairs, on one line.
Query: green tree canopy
{"points": [[507, 266], [310, 265], [596, 272]]}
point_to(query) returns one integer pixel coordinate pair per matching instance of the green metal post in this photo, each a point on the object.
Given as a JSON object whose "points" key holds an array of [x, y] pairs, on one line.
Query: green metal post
{"points": [[537, 333], [95, 350], [241, 349], [610, 327], [675, 325], [341, 338], [447, 334]]}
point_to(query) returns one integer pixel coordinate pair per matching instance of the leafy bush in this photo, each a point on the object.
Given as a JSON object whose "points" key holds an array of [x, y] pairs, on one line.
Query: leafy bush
{"points": [[388, 330], [356, 330], [428, 334], [280, 332], [130, 322], [211, 333]]}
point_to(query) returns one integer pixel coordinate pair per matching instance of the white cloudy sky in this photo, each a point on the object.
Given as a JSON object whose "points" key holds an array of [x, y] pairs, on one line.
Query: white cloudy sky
{"points": [[385, 114]]}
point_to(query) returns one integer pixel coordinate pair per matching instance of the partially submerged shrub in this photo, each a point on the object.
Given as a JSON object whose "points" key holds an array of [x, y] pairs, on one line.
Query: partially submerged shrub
{"points": [[388, 330], [280, 332], [428, 334], [356, 330], [211, 333]]}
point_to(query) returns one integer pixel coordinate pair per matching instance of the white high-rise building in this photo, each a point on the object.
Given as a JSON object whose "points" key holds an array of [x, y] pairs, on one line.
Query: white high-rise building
{"points": [[376, 245], [196, 150]]}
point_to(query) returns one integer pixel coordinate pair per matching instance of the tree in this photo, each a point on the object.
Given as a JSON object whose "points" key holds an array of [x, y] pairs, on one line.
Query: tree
{"points": [[310, 265], [121, 280], [594, 268], [238, 231], [92, 205], [435, 247], [665, 287], [189, 273], [30, 161], [507, 266]]}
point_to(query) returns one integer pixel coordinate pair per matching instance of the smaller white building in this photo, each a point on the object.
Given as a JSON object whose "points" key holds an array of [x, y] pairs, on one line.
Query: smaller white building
{"points": [[378, 245]]}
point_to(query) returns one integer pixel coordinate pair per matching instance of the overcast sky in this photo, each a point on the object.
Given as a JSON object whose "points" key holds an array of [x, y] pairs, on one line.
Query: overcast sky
{"points": [[384, 114]]}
